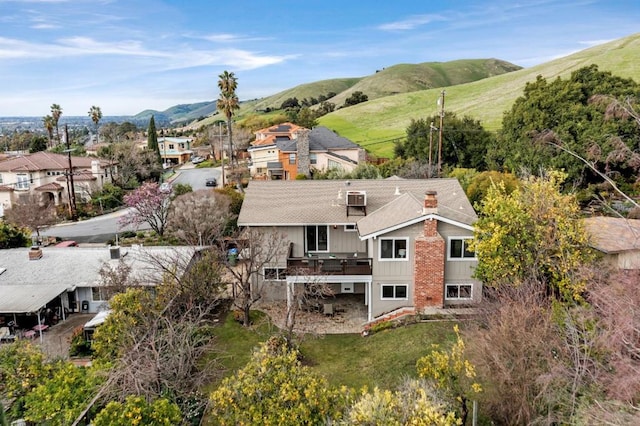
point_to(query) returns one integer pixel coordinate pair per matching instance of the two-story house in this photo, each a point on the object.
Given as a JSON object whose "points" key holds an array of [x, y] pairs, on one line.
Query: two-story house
{"points": [[175, 150], [400, 244], [287, 150], [46, 174]]}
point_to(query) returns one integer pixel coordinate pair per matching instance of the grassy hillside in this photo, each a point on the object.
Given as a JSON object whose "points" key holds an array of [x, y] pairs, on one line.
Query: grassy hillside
{"points": [[377, 123], [400, 78]]}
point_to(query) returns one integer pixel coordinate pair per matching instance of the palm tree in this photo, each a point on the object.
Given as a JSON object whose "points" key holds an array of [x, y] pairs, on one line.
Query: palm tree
{"points": [[56, 112], [48, 125], [96, 115], [228, 102]]}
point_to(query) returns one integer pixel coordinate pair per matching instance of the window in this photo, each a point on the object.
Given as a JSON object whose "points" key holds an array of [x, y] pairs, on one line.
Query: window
{"points": [[394, 291], [182, 146], [275, 274], [350, 228], [331, 164], [393, 248], [170, 146], [458, 291], [317, 238], [0, 178], [23, 182], [292, 159], [459, 248], [99, 294], [313, 158]]}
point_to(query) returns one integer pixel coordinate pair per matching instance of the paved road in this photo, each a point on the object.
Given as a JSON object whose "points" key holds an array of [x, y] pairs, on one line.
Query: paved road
{"points": [[104, 228]]}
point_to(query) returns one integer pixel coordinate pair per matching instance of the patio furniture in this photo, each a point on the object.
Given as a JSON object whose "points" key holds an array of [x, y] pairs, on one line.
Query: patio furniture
{"points": [[40, 327], [29, 334]]}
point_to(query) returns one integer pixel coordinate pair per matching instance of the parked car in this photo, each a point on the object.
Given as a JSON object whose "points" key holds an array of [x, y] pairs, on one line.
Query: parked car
{"points": [[211, 182], [197, 160], [165, 187]]}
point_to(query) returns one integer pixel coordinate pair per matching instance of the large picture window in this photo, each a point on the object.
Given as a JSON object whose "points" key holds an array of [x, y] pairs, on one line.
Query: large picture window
{"points": [[394, 292], [394, 248], [458, 291], [459, 248], [317, 238]]}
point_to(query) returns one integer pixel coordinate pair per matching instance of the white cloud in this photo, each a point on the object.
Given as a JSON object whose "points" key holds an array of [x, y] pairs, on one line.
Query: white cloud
{"points": [[410, 23]]}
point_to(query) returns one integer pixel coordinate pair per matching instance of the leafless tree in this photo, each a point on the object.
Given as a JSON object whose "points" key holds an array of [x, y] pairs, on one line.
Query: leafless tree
{"points": [[199, 217], [256, 249], [29, 211]]}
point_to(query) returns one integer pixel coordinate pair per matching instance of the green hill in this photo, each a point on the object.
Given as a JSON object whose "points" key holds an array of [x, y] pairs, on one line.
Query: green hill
{"points": [[377, 123], [400, 78]]}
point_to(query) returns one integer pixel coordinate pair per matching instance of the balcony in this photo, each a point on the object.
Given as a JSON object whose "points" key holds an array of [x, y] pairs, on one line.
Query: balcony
{"points": [[332, 265]]}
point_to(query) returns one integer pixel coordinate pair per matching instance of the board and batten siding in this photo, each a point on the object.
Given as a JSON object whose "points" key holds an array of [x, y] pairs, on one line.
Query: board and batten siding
{"points": [[459, 271], [340, 242], [387, 272]]}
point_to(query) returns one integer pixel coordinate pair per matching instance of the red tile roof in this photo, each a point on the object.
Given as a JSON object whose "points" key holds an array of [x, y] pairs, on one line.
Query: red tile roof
{"points": [[45, 161], [51, 186]]}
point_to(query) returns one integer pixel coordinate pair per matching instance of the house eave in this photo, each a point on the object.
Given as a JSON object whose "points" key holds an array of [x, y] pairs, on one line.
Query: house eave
{"points": [[413, 222]]}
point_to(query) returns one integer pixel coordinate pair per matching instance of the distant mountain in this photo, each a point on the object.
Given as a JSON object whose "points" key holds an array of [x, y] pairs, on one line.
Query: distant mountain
{"points": [[402, 78]]}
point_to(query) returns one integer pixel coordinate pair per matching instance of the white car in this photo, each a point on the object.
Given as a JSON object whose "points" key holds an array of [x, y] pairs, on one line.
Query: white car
{"points": [[165, 187], [197, 160]]}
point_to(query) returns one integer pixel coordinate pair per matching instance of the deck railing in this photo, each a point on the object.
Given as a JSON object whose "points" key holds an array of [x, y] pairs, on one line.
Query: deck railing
{"points": [[329, 266]]}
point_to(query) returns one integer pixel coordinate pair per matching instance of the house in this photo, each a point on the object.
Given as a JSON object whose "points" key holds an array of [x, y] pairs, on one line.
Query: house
{"points": [[618, 239], [174, 150], [45, 175], [401, 245], [64, 280], [286, 151]]}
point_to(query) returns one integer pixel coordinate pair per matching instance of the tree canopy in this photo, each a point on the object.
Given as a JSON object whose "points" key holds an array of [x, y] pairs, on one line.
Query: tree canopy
{"points": [[579, 113], [534, 233]]}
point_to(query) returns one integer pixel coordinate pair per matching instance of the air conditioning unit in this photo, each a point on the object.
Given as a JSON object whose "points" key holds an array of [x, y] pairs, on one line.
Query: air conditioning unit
{"points": [[356, 198]]}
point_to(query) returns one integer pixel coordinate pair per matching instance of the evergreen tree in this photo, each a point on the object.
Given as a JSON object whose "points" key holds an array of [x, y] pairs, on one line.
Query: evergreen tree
{"points": [[152, 139]]}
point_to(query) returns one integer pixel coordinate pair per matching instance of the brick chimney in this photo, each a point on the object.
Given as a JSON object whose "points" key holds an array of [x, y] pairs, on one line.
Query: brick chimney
{"points": [[428, 269], [35, 253]]}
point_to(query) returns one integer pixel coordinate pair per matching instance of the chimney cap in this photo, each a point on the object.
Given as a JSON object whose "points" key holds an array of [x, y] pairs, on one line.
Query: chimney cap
{"points": [[431, 193]]}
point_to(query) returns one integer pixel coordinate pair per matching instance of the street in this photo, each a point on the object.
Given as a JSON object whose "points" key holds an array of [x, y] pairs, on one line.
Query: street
{"points": [[104, 228]]}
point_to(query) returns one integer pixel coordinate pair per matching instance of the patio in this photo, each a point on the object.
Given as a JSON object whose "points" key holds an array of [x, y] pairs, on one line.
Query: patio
{"points": [[349, 315]]}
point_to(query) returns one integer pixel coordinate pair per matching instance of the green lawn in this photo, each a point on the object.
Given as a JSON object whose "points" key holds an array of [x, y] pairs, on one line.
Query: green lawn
{"points": [[383, 359]]}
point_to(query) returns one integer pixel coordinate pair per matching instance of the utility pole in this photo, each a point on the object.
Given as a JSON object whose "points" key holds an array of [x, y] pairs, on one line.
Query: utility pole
{"points": [[441, 103], [70, 187], [431, 129], [221, 151]]}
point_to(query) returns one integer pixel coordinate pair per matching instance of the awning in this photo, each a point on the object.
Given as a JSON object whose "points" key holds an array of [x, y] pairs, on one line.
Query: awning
{"points": [[97, 320], [19, 299]]}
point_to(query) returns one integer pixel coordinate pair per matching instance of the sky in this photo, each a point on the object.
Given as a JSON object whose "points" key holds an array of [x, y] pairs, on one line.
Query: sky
{"points": [[126, 56]]}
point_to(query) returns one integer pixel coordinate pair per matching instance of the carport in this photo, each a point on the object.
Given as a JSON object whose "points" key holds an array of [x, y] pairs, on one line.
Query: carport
{"points": [[20, 302]]}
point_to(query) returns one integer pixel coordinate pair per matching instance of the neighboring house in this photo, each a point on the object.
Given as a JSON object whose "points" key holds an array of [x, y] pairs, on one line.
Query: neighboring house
{"points": [[401, 244], [175, 150], [618, 239], [45, 174], [286, 151], [67, 279]]}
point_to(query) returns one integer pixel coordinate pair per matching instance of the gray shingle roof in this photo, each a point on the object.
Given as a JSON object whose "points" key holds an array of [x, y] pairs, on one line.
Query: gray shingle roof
{"points": [[320, 139], [27, 285], [300, 202]]}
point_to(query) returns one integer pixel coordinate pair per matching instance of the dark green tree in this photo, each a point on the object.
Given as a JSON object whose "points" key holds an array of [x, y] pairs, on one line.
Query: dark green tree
{"points": [[464, 142], [356, 98], [12, 236], [306, 118], [152, 139], [577, 112]]}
